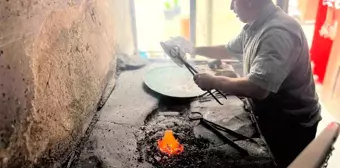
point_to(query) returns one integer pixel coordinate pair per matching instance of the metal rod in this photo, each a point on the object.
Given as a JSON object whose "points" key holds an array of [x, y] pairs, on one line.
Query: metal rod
{"points": [[210, 21], [231, 132], [224, 138], [134, 25], [248, 107], [193, 23], [191, 67], [218, 91], [205, 96], [193, 72], [218, 101]]}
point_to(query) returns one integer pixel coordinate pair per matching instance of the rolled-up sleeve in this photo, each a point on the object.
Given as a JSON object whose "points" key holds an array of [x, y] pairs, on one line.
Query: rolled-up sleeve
{"points": [[235, 46], [275, 59]]}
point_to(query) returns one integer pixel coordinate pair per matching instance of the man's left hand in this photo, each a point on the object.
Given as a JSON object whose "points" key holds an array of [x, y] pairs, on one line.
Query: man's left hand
{"points": [[205, 81]]}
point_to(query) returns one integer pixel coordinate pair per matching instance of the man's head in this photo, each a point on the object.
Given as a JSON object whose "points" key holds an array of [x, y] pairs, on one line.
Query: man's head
{"points": [[248, 10]]}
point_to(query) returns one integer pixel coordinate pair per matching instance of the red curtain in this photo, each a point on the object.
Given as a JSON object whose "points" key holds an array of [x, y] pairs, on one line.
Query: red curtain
{"points": [[321, 46]]}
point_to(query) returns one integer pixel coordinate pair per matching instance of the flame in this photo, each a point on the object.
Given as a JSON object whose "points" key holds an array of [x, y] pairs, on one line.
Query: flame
{"points": [[169, 145]]}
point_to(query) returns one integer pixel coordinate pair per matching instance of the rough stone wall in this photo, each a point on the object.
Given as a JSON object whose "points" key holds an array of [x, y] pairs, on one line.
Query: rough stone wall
{"points": [[54, 62]]}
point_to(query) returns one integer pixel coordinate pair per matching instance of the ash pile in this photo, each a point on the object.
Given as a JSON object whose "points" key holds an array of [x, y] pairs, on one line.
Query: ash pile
{"points": [[193, 153], [201, 147]]}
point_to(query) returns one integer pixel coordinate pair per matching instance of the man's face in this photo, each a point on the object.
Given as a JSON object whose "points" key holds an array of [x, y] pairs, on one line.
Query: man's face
{"points": [[242, 8]]}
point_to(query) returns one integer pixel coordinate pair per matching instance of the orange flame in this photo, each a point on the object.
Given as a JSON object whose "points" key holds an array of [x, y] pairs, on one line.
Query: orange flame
{"points": [[169, 145]]}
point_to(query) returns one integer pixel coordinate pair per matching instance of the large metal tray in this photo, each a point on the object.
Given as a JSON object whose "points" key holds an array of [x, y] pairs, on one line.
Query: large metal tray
{"points": [[172, 81]]}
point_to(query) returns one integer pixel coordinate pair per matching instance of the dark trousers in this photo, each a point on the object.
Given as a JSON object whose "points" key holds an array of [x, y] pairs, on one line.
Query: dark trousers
{"points": [[286, 140]]}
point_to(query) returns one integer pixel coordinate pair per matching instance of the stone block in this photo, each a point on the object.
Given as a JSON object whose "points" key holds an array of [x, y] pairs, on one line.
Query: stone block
{"points": [[54, 64]]}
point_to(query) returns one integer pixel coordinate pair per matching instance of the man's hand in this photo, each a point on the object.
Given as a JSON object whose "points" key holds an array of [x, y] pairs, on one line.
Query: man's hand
{"points": [[205, 81]]}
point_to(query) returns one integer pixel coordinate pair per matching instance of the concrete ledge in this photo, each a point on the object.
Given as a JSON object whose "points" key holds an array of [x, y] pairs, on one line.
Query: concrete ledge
{"points": [[129, 103]]}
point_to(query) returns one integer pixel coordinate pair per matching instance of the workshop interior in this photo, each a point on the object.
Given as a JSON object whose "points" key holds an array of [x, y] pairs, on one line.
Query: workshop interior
{"points": [[110, 84]]}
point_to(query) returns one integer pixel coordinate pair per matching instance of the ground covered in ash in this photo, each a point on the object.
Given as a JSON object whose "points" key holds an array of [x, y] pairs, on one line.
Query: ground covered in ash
{"points": [[133, 119], [193, 153], [198, 152]]}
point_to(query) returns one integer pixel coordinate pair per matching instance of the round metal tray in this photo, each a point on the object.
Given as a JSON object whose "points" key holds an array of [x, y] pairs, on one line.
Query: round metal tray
{"points": [[172, 81]]}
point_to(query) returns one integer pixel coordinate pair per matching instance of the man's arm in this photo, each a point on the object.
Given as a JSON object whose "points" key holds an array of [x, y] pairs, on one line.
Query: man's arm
{"points": [[240, 87], [234, 49], [236, 86], [274, 61], [214, 52]]}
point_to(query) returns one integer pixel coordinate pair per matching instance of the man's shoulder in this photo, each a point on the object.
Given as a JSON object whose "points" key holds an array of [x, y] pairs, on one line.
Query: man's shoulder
{"points": [[282, 24], [283, 21]]}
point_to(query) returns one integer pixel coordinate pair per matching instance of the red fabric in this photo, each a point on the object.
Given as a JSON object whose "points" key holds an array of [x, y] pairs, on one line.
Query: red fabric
{"points": [[321, 47]]}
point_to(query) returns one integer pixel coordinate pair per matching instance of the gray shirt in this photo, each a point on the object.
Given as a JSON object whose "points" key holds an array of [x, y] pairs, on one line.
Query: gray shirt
{"points": [[276, 58]]}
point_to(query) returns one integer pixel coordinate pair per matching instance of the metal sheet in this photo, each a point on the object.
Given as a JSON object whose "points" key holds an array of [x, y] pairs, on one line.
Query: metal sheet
{"points": [[168, 51], [172, 81]]}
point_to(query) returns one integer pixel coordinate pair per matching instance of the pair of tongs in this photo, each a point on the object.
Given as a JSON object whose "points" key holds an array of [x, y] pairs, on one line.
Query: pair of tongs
{"points": [[206, 97], [175, 54], [215, 128]]}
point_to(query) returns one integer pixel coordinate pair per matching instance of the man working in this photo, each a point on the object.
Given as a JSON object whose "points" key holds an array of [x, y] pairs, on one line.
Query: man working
{"points": [[278, 80]]}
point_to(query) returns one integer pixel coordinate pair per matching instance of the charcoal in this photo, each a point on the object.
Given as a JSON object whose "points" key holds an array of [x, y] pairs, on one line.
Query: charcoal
{"points": [[198, 152]]}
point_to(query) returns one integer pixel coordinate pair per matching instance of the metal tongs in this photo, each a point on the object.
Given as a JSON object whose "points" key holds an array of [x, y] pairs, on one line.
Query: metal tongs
{"points": [[215, 128], [174, 53]]}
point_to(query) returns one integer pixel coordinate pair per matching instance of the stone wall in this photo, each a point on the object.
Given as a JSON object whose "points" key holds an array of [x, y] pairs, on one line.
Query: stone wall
{"points": [[54, 62]]}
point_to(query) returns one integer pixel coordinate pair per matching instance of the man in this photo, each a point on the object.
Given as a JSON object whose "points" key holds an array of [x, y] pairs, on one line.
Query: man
{"points": [[278, 80]]}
